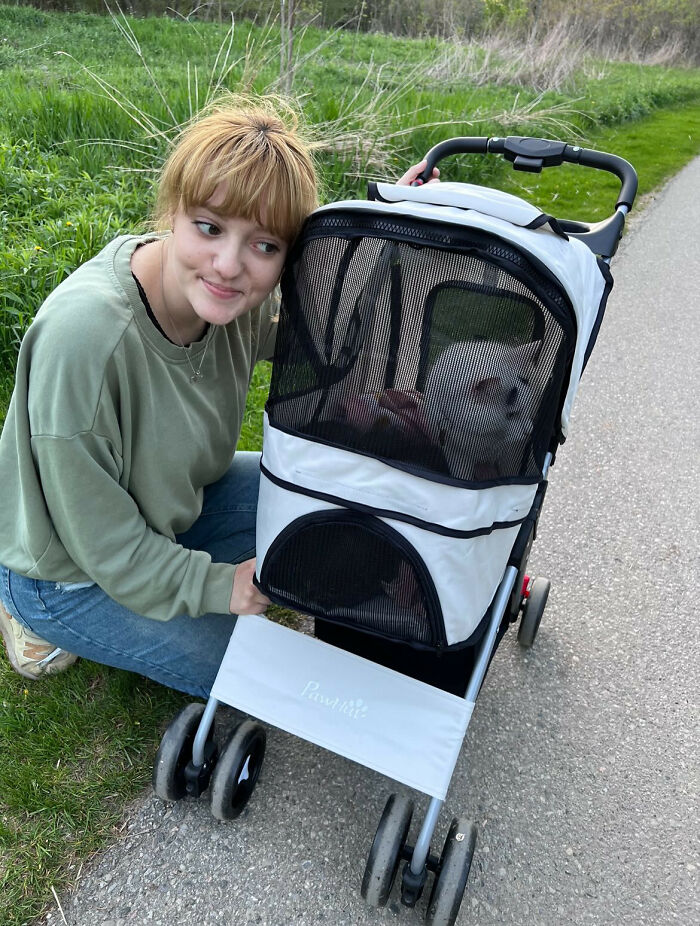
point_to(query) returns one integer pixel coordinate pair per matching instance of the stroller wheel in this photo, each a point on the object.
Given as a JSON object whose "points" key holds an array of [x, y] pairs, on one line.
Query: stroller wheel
{"points": [[237, 769], [385, 854], [533, 611], [453, 872], [175, 752]]}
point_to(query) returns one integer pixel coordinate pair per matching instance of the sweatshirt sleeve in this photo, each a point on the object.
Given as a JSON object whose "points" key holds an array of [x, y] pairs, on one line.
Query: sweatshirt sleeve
{"points": [[102, 530]]}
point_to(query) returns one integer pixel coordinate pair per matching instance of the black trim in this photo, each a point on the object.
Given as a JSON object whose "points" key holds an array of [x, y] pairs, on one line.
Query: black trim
{"points": [[343, 502], [487, 246], [528, 527], [373, 194], [430, 300], [394, 321], [544, 219], [463, 239], [607, 275]]}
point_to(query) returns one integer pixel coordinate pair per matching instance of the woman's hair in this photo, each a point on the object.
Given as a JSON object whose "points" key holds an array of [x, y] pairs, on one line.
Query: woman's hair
{"points": [[257, 151]]}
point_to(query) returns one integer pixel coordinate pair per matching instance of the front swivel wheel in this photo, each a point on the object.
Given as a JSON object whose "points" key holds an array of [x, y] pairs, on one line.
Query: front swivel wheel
{"points": [[237, 770], [175, 753], [453, 872], [385, 854]]}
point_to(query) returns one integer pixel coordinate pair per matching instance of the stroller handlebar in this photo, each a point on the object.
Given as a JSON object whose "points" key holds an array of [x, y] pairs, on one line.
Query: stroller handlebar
{"points": [[532, 154]]}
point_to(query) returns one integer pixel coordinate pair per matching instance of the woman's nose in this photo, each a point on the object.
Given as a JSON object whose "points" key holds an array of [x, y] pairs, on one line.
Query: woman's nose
{"points": [[228, 259]]}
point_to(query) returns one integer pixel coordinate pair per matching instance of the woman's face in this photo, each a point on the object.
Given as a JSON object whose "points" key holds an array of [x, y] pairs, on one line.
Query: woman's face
{"points": [[219, 267]]}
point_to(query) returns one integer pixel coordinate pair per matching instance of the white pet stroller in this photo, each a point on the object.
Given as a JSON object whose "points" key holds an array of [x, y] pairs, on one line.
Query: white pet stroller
{"points": [[430, 347]]}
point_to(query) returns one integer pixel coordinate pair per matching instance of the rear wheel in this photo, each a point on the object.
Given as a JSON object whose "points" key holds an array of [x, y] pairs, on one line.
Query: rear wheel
{"points": [[533, 610], [385, 854]]}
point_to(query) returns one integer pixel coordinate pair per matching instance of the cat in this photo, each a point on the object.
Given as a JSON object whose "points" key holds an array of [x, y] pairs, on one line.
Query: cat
{"points": [[479, 401]]}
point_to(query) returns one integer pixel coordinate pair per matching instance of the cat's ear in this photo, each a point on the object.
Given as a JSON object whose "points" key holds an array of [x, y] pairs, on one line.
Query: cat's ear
{"points": [[528, 353], [487, 388]]}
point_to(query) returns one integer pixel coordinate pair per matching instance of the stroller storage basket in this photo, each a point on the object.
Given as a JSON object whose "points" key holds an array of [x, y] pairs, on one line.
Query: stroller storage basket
{"points": [[420, 373]]}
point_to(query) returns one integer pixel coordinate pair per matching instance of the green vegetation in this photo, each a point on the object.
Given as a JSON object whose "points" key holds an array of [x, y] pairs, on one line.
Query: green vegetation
{"points": [[80, 137], [74, 751], [77, 747]]}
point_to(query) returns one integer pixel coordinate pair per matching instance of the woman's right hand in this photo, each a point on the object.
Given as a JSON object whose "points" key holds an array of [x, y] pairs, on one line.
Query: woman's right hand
{"points": [[245, 597]]}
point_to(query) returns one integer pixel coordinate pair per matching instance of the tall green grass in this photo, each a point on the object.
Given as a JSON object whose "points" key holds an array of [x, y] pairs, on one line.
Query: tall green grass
{"points": [[76, 168]]}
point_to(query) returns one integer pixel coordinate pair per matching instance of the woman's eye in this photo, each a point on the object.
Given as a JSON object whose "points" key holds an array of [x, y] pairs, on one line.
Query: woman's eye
{"points": [[267, 247], [207, 228]]}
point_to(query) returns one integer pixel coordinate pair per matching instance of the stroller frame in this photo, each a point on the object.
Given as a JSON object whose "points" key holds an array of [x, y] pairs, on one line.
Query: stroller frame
{"points": [[188, 759]]}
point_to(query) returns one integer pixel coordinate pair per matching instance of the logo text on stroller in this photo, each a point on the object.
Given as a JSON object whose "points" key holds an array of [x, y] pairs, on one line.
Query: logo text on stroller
{"points": [[355, 708]]}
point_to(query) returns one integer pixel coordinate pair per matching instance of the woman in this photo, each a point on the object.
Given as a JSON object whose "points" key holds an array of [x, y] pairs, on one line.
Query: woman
{"points": [[127, 529]]}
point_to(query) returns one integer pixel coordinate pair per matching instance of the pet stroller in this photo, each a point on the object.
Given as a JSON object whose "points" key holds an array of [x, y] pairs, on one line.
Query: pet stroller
{"points": [[430, 346]]}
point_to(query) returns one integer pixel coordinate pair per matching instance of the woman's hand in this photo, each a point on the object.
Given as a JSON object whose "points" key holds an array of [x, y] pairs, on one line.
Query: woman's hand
{"points": [[412, 174], [245, 597]]}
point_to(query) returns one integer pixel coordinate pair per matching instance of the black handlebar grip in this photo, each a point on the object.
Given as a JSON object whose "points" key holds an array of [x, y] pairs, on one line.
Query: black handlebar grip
{"points": [[614, 165], [466, 145], [554, 151]]}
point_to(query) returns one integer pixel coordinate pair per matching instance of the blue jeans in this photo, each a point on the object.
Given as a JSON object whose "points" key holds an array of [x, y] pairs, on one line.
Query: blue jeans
{"points": [[182, 653]]}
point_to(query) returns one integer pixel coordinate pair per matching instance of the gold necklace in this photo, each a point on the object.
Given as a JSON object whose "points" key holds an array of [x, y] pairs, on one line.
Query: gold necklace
{"points": [[197, 375]]}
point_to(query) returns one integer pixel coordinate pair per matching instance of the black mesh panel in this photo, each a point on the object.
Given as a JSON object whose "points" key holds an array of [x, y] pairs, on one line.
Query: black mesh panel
{"points": [[440, 350], [355, 570]]}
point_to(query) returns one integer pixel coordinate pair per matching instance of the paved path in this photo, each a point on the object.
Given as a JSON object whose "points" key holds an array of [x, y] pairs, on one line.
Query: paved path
{"points": [[580, 766]]}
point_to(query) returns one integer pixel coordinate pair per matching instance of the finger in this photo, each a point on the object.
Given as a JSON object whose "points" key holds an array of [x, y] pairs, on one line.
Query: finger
{"points": [[412, 173]]}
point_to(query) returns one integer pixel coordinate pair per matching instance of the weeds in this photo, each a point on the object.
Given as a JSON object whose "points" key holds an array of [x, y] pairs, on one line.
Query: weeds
{"points": [[80, 140], [543, 62]]}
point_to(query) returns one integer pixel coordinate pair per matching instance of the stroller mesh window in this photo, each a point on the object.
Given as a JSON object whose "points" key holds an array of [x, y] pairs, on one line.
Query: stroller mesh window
{"points": [[372, 580], [437, 349]]}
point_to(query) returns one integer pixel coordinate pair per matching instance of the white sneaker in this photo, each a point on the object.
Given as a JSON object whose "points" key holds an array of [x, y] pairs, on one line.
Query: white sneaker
{"points": [[29, 655]]}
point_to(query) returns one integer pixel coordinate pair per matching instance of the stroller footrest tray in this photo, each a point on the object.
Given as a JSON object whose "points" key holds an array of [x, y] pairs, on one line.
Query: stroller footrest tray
{"points": [[386, 721]]}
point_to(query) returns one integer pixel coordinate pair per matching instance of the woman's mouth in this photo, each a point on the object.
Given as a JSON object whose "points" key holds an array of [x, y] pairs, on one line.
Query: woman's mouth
{"points": [[219, 291]]}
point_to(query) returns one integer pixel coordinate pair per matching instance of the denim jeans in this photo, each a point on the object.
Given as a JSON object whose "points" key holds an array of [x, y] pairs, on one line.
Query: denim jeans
{"points": [[182, 653]]}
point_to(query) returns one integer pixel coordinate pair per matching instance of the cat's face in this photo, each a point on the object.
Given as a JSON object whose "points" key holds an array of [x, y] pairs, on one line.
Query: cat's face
{"points": [[478, 398], [499, 405]]}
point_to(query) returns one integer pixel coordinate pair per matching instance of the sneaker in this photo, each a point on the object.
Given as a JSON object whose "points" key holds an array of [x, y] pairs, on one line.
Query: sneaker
{"points": [[29, 655]]}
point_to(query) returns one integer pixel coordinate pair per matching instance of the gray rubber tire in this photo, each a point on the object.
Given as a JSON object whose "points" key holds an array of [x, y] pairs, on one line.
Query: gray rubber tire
{"points": [[533, 611], [385, 854], [453, 873], [237, 769], [175, 752]]}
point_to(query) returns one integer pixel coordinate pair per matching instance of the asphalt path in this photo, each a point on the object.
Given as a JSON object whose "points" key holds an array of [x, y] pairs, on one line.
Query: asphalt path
{"points": [[580, 765]]}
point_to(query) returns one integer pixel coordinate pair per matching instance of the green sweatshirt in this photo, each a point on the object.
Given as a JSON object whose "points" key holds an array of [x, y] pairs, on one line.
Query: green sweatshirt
{"points": [[107, 444]]}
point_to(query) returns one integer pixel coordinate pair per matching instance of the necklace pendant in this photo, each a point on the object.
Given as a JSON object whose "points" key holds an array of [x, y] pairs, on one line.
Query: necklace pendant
{"points": [[196, 377]]}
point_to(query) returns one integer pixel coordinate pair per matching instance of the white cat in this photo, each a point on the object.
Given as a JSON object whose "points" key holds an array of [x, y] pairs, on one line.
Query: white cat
{"points": [[479, 402]]}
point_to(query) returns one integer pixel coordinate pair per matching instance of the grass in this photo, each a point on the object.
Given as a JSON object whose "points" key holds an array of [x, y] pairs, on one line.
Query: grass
{"points": [[658, 146], [77, 748], [73, 754]]}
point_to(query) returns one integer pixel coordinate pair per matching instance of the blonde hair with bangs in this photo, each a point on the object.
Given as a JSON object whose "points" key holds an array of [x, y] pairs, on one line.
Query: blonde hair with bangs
{"points": [[255, 149]]}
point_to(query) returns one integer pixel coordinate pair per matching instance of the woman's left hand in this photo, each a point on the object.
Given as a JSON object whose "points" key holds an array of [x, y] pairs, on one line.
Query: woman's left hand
{"points": [[413, 172]]}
